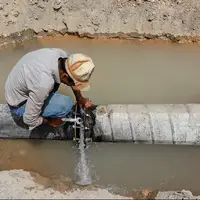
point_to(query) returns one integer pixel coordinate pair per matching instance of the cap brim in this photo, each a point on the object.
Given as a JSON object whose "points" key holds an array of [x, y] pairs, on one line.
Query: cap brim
{"points": [[83, 87]]}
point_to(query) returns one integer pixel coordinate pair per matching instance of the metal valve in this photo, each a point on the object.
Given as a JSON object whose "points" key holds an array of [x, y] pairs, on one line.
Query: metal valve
{"points": [[77, 120]]}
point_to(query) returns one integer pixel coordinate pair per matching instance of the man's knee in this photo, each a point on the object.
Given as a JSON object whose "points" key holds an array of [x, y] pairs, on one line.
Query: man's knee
{"points": [[58, 106], [66, 104]]}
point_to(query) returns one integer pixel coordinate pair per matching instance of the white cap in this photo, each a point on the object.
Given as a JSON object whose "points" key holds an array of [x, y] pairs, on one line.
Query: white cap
{"points": [[80, 68]]}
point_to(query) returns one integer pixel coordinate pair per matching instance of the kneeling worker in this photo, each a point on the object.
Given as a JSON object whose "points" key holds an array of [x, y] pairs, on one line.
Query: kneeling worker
{"points": [[31, 86]]}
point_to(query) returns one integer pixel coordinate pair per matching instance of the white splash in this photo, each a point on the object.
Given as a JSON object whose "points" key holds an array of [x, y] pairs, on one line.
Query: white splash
{"points": [[82, 169]]}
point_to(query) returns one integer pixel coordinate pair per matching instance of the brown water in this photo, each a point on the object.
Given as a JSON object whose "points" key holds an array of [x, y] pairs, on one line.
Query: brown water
{"points": [[122, 167], [126, 72]]}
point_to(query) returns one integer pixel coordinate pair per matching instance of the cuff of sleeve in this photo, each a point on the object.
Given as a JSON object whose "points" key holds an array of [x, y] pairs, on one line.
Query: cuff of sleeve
{"points": [[39, 122]]}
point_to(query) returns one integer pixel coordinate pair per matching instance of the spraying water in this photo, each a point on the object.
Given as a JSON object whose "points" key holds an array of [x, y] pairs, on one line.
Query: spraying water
{"points": [[82, 169]]}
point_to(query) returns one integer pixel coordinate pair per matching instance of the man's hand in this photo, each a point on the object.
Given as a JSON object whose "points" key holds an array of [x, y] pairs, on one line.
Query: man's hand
{"points": [[85, 102]]}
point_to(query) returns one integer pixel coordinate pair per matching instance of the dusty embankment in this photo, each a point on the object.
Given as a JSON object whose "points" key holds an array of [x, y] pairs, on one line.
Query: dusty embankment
{"points": [[176, 20], [20, 184]]}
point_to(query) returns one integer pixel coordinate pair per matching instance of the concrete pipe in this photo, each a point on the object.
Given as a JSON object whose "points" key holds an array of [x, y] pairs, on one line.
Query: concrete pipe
{"points": [[165, 124]]}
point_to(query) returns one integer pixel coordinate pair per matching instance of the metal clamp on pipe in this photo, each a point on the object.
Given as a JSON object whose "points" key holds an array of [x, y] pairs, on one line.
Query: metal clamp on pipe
{"points": [[81, 124]]}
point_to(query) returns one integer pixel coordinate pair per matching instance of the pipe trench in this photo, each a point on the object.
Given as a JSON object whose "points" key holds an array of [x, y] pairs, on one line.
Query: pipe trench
{"points": [[137, 123]]}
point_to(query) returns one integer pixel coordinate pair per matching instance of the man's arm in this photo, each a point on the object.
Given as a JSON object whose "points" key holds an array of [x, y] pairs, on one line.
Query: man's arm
{"points": [[77, 94], [80, 99], [38, 93]]}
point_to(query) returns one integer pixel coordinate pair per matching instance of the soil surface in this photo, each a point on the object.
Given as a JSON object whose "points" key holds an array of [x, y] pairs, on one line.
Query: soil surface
{"points": [[175, 20]]}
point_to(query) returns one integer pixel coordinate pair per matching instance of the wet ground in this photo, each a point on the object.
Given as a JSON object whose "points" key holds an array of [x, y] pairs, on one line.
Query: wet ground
{"points": [[126, 72]]}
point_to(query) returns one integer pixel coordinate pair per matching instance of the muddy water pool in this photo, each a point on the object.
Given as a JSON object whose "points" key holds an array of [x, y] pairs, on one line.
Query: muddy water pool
{"points": [[126, 72], [122, 168]]}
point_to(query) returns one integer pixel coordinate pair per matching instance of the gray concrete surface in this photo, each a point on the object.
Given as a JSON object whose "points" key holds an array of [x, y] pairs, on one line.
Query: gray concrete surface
{"points": [[10, 128], [169, 124], [157, 124], [166, 19]]}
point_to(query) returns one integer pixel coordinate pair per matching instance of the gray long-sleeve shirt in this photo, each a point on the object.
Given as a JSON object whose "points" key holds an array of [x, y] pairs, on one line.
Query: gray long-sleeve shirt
{"points": [[32, 79]]}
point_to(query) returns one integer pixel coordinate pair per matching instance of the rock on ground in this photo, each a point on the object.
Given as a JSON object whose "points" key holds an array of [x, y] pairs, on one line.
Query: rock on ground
{"points": [[134, 18], [184, 194], [19, 184]]}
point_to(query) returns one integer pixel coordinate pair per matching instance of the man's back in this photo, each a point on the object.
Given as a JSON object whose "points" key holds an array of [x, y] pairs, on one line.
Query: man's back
{"points": [[29, 71]]}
